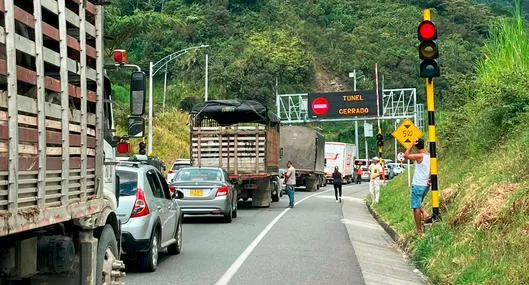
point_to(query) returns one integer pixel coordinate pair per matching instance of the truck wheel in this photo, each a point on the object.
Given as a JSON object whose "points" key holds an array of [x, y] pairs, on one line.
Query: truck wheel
{"points": [[176, 247], [149, 260], [108, 264]]}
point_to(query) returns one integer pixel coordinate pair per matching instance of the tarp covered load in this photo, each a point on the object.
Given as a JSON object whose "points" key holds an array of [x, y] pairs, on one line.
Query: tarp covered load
{"points": [[229, 112]]}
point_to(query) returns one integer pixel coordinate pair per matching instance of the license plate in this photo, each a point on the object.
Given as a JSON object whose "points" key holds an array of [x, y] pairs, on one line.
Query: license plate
{"points": [[196, 192]]}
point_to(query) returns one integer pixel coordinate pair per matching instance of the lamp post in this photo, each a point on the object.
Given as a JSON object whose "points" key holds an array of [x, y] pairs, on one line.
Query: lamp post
{"points": [[153, 69]]}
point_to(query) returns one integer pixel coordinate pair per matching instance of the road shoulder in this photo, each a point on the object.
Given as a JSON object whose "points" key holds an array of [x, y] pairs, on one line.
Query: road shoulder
{"points": [[380, 260]]}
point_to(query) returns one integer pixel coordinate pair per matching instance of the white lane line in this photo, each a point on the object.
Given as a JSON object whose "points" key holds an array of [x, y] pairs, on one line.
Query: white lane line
{"points": [[244, 255]]}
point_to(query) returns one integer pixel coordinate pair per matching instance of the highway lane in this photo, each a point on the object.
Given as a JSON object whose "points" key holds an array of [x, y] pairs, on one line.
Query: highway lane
{"points": [[307, 245]]}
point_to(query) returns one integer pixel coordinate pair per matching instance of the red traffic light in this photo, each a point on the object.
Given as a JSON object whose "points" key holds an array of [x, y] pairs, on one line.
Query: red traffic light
{"points": [[427, 31]]}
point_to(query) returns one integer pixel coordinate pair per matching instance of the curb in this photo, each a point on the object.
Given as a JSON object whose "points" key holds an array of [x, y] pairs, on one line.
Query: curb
{"points": [[391, 232]]}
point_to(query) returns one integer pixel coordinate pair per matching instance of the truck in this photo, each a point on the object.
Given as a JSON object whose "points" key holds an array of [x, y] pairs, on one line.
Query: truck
{"points": [[305, 148], [58, 220], [242, 137], [341, 155]]}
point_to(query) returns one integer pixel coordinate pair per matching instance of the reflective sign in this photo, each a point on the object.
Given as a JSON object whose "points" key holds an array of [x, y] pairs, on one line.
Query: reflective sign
{"points": [[334, 105], [407, 133]]}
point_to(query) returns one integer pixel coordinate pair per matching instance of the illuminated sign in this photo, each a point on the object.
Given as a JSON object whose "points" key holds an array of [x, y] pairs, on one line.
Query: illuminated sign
{"points": [[334, 105]]}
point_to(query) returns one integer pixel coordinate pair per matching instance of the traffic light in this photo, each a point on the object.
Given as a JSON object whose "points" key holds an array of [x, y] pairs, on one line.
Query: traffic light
{"points": [[380, 140], [142, 148], [428, 50]]}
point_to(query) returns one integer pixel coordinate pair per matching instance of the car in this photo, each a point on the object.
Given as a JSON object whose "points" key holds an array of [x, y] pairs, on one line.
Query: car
{"points": [[150, 216], [365, 174], [207, 191], [397, 168], [178, 164], [388, 172], [283, 188]]}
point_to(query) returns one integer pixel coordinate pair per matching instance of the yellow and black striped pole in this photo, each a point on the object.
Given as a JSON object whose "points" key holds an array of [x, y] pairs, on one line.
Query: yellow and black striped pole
{"points": [[432, 138]]}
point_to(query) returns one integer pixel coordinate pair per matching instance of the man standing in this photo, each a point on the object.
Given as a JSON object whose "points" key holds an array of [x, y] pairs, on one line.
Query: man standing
{"points": [[359, 172], [290, 177], [375, 171], [420, 183]]}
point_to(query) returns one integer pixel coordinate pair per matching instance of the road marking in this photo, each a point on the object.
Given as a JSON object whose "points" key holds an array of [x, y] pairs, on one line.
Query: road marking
{"points": [[244, 255]]}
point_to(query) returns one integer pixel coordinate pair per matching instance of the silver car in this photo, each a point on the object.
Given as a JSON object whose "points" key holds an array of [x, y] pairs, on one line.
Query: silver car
{"points": [[150, 216], [207, 191]]}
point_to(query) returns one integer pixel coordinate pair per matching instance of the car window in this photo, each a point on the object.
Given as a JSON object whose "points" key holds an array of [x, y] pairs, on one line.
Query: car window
{"points": [[128, 182], [198, 174], [155, 184], [165, 187], [178, 166]]}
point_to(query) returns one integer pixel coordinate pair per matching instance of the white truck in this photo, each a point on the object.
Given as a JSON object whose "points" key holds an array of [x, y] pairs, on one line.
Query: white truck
{"points": [[58, 222], [341, 155]]}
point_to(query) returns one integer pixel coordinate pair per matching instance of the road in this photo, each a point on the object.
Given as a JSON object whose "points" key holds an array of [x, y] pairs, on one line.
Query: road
{"points": [[309, 244]]}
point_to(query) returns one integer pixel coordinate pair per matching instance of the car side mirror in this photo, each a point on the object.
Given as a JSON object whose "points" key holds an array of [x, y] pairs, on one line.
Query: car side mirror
{"points": [[137, 93], [178, 194]]}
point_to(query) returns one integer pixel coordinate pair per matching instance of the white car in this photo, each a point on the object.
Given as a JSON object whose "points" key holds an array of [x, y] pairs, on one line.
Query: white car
{"points": [[177, 165], [397, 168]]}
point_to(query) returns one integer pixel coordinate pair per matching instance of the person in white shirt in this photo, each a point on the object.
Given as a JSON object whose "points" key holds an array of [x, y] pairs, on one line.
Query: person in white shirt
{"points": [[420, 183], [375, 170], [290, 177]]}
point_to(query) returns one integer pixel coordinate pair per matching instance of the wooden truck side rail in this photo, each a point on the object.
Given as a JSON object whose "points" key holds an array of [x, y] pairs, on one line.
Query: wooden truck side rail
{"points": [[51, 123]]}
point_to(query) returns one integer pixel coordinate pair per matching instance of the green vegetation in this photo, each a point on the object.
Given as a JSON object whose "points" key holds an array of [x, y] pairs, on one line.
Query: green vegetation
{"points": [[483, 169]]}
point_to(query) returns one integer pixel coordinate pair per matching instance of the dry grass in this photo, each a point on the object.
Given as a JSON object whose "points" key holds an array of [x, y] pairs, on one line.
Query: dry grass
{"points": [[490, 210]]}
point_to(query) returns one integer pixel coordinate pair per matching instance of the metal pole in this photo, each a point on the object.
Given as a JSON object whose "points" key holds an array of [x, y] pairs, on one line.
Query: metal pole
{"points": [[395, 143], [378, 103], [409, 174], [365, 140], [149, 141], [356, 122], [164, 89], [206, 83]]}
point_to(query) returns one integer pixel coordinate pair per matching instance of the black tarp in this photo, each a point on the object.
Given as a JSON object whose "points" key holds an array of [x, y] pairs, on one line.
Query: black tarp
{"points": [[229, 112]]}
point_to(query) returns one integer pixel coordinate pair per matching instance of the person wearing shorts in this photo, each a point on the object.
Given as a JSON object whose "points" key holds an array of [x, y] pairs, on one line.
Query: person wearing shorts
{"points": [[420, 183]]}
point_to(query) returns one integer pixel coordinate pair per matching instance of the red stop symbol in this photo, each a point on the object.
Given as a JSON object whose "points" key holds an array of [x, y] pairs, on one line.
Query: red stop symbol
{"points": [[320, 106]]}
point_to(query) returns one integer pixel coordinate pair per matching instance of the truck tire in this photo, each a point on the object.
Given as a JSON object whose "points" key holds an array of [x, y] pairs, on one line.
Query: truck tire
{"points": [[311, 184], [277, 195], [149, 260], [176, 247], [107, 258]]}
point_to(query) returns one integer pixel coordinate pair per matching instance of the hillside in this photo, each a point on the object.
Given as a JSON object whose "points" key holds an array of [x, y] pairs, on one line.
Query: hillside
{"points": [[304, 44]]}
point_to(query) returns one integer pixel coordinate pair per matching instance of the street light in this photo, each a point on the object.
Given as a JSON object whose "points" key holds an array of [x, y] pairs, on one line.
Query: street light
{"points": [[153, 69]]}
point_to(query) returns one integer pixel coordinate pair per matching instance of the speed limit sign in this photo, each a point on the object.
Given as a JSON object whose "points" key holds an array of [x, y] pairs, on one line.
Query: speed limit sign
{"points": [[400, 157]]}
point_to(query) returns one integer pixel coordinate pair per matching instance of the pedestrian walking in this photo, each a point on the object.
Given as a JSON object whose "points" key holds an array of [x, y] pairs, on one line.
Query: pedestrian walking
{"points": [[337, 183], [375, 171], [420, 183], [359, 173], [290, 177]]}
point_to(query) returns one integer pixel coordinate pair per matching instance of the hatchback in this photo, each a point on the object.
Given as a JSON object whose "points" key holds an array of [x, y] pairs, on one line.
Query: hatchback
{"points": [[207, 191], [150, 216]]}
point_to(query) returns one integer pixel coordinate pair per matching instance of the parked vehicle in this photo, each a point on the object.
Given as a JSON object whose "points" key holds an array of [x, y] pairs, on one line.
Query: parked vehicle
{"points": [[59, 198], [283, 187], [397, 168], [241, 136], [341, 155], [366, 175], [305, 147], [207, 191], [150, 216], [177, 165], [388, 172]]}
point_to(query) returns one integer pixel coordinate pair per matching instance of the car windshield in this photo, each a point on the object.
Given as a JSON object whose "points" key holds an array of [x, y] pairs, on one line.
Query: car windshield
{"points": [[195, 174], [179, 166], [128, 182]]}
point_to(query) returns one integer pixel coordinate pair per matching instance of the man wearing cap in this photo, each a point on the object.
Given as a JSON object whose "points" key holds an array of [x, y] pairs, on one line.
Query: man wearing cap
{"points": [[420, 183], [375, 170]]}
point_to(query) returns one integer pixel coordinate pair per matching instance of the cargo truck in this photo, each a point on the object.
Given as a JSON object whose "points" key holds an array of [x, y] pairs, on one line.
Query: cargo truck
{"points": [[305, 148], [341, 155], [242, 137], [58, 221]]}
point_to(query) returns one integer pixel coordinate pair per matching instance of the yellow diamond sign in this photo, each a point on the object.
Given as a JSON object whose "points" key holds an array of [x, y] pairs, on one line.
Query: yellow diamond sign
{"points": [[407, 133]]}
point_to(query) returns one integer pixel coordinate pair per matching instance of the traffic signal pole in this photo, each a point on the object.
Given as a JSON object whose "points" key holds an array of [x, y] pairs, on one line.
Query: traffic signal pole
{"points": [[432, 138]]}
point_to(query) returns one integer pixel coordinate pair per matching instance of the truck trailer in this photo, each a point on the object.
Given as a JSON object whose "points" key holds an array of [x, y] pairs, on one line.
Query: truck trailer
{"points": [[341, 155], [305, 148], [242, 137], [58, 220]]}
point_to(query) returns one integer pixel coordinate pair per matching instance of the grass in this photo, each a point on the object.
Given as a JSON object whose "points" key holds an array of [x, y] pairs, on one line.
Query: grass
{"points": [[483, 237]]}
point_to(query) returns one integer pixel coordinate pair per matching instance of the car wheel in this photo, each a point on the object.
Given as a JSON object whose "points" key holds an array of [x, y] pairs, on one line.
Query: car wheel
{"points": [[228, 217], [234, 213], [176, 247], [149, 260]]}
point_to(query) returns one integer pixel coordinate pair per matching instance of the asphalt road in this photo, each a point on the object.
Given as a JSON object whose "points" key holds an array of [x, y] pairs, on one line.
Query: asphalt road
{"points": [[305, 245]]}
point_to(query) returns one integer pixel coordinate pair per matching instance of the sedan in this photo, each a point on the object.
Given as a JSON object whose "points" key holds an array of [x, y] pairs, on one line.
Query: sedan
{"points": [[207, 191]]}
